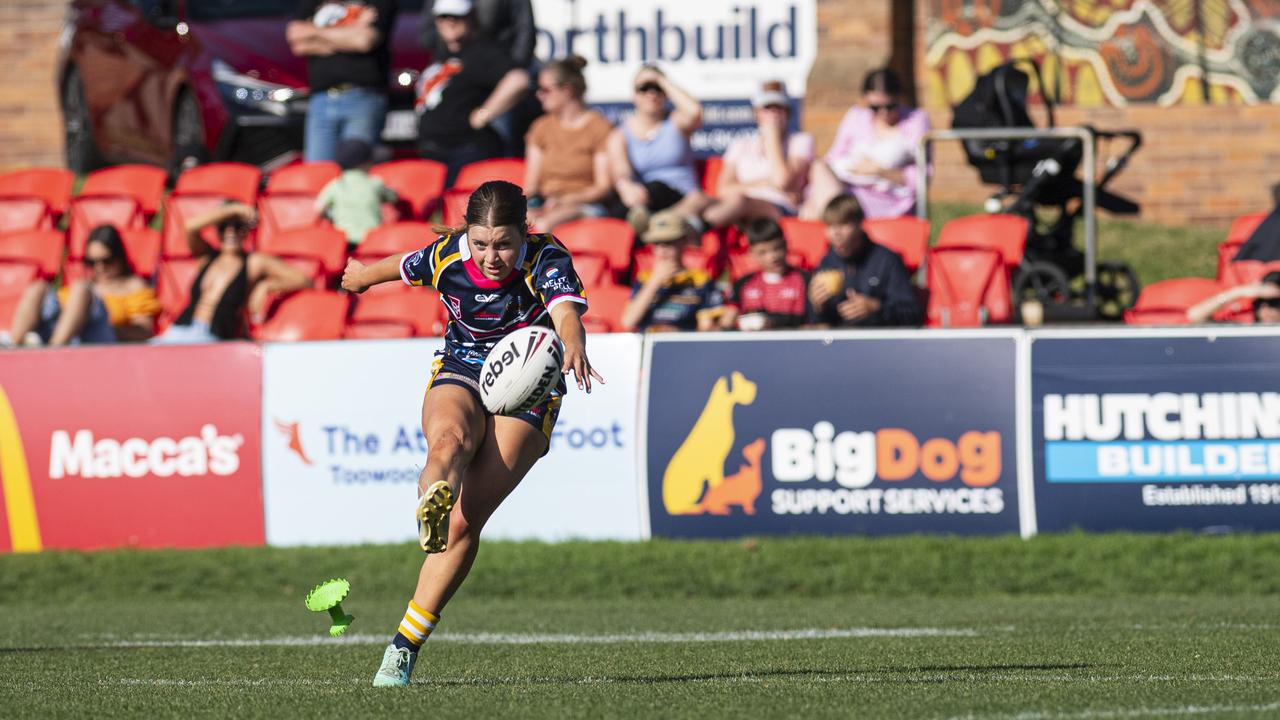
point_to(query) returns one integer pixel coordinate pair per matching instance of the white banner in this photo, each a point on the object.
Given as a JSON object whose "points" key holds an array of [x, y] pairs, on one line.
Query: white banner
{"points": [[718, 50], [342, 447]]}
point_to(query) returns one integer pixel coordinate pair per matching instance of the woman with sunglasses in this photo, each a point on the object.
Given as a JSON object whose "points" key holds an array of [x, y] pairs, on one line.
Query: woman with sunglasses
{"points": [[112, 304], [764, 173], [873, 156], [566, 168], [230, 279], [650, 155]]}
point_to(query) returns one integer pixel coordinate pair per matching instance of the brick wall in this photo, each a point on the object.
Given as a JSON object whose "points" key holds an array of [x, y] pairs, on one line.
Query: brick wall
{"points": [[30, 124]]}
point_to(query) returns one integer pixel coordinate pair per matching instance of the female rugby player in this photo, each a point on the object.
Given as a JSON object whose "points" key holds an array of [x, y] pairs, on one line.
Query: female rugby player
{"points": [[494, 277]]}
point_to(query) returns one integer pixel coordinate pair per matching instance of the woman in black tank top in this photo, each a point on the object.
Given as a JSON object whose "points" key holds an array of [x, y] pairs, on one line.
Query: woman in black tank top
{"points": [[230, 280]]}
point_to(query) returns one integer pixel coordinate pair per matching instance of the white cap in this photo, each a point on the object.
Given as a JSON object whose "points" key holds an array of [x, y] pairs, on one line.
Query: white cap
{"points": [[772, 92], [451, 7]]}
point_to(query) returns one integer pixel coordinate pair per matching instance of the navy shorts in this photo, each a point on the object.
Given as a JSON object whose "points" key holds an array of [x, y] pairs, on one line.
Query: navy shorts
{"points": [[448, 370]]}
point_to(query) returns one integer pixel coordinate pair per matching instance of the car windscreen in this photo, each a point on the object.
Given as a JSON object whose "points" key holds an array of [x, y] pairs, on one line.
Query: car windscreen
{"points": [[209, 10]]}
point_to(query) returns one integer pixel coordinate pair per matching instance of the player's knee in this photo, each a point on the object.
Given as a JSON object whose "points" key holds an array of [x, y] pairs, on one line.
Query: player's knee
{"points": [[448, 444]]}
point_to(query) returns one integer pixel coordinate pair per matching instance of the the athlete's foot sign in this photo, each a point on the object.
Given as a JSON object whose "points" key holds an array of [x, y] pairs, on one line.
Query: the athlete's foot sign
{"points": [[575, 360]]}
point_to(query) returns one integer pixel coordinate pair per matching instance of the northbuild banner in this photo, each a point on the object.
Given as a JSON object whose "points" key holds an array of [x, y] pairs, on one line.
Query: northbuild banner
{"points": [[1157, 433]]}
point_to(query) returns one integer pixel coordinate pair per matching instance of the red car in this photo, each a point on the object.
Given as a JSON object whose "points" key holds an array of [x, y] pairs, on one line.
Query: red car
{"points": [[159, 80]]}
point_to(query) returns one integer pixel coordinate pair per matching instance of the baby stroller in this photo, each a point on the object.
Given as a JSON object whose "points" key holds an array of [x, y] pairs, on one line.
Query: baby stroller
{"points": [[1037, 181]]}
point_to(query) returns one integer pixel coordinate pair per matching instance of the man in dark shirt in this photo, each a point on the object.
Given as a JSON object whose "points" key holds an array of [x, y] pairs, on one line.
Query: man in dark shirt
{"points": [[348, 64], [509, 25], [860, 283]]}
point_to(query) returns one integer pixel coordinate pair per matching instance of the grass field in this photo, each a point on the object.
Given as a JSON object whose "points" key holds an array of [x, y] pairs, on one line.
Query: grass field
{"points": [[1059, 627]]}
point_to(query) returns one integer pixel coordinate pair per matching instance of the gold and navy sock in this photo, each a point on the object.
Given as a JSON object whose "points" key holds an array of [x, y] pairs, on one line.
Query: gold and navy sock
{"points": [[415, 628]]}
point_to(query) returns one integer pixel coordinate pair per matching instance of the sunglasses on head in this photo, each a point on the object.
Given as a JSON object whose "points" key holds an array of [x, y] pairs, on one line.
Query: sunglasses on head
{"points": [[887, 107], [649, 87]]}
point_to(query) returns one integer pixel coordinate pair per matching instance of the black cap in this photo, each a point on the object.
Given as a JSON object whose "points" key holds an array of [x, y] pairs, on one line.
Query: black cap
{"points": [[353, 152]]}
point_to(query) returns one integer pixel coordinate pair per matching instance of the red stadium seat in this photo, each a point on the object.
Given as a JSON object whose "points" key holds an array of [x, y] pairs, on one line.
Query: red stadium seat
{"points": [[232, 180], [143, 183], [743, 263], [609, 238], [807, 238], [419, 183], [14, 276], [478, 173], [88, 212], [20, 214], [1166, 302], [593, 270], [325, 246], [711, 170], [142, 245], [394, 239], [173, 288], [968, 287], [285, 213], [694, 259], [1243, 226], [454, 207], [378, 331], [50, 185], [908, 236], [307, 178], [1226, 256], [42, 249], [1006, 234], [417, 308], [604, 308], [306, 315]]}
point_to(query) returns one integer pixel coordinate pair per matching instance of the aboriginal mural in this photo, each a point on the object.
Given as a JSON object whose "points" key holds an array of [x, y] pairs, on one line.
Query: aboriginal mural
{"points": [[1111, 52]]}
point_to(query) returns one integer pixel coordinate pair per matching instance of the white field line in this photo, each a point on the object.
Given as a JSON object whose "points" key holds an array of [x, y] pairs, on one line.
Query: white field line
{"points": [[851, 678], [1120, 714], [563, 639]]}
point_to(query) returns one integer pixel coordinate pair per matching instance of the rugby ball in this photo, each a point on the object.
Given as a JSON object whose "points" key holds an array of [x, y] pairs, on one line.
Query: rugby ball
{"points": [[521, 371]]}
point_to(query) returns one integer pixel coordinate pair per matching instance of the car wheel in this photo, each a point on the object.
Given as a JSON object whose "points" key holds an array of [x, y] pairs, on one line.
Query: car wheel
{"points": [[188, 147], [82, 154]]}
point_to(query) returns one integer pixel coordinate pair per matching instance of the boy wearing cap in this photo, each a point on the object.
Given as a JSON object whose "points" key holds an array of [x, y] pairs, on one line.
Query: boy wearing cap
{"points": [[353, 200], [670, 296], [765, 173]]}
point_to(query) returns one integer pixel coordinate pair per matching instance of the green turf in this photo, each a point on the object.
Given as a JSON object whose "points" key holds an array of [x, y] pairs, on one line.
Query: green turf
{"points": [[1071, 626]]}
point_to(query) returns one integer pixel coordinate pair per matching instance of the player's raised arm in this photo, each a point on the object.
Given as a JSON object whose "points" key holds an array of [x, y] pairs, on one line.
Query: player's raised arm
{"points": [[358, 277], [567, 317]]}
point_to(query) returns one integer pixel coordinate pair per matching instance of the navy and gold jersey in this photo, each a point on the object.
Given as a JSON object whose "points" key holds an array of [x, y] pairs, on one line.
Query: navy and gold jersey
{"points": [[481, 311]]}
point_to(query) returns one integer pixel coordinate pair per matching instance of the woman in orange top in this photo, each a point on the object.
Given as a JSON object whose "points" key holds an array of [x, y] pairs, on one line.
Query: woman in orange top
{"points": [[112, 305]]}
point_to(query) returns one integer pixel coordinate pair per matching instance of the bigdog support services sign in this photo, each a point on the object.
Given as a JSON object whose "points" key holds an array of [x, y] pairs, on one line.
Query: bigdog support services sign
{"points": [[814, 434], [1157, 433]]}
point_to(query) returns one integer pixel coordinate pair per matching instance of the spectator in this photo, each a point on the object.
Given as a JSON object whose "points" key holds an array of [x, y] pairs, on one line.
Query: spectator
{"points": [[1264, 242], [472, 82], [671, 296], [509, 24], [764, 174], [1265, 295], [566, 166], [773, 297], [230, 280], [873, 156], [353, 200], [650, 155], [348, 63], [860, 283], [112, 305]]}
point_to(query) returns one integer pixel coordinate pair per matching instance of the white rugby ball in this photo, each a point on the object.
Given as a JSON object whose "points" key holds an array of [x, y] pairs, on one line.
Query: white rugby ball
{"points": [[521, 371]]}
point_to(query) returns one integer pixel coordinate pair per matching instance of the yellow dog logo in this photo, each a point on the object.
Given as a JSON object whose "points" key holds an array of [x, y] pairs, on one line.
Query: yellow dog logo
{"points": [[698, 465]]}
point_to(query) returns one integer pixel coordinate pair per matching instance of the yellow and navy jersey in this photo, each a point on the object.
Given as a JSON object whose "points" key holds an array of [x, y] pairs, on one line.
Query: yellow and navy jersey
{"points": [[482, 311], [678, 302]]}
